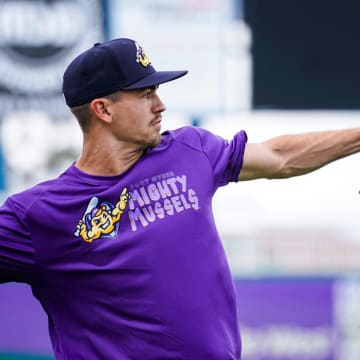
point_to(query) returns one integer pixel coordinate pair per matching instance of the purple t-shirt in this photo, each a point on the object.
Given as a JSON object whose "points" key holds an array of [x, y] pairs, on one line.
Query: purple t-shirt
{"points": [[131, 266]]}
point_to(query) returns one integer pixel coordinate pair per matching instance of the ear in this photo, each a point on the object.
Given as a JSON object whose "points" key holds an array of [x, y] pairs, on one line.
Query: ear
{"points": [[100, 108]]}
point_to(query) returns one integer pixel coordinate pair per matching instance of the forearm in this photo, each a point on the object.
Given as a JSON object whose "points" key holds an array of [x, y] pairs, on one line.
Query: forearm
{"points": [[303, 153]]}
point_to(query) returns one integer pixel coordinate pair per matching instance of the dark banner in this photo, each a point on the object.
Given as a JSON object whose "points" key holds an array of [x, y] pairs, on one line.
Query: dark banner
{"points": [[305, 54], [38, 38]]}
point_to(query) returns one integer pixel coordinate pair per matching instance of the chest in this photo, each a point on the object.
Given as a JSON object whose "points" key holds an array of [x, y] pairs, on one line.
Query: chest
{"points": [[151, 212]]}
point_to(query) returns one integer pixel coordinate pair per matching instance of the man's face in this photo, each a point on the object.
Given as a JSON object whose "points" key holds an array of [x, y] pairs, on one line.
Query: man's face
{"points": [[102, 222], [137, 117]]}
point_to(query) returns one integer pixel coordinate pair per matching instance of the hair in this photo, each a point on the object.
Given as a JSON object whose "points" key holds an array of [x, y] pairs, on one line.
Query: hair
{"points": [[83, 112]]}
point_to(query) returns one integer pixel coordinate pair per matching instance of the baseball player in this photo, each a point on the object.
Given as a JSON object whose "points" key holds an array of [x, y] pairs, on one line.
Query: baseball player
{"points": [[122, 249]]}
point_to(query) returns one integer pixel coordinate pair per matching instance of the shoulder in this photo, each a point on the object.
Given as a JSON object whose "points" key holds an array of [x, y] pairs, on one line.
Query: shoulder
{"points": [[191, 136], [22, 201]]}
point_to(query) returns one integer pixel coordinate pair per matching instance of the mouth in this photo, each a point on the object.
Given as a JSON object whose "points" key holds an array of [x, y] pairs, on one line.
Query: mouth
{"points": [[156, 122], [106, 225]]}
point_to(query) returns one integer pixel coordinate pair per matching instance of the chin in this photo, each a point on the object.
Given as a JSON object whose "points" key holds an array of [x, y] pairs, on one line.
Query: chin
{"points": [[153, 142]]}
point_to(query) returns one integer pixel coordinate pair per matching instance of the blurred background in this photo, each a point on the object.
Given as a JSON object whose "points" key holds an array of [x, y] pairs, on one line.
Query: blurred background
{"points": [[267, 66]]}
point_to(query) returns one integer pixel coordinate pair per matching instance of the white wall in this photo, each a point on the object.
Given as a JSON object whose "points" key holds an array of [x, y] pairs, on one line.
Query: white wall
{"points": [[328, 197]]}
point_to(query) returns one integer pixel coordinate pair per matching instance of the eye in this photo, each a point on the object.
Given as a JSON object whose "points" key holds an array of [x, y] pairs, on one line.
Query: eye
{"points": [[147, 94]]}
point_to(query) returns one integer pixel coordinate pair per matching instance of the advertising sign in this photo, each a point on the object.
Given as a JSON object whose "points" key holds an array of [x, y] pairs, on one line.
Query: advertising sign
{"points": [[200, 36], [280, 319], [286, 319], [37, 41], [2, 169]]}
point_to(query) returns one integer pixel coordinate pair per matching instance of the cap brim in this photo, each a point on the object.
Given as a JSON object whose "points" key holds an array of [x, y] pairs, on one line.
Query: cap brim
{"points": [[156, 78]]}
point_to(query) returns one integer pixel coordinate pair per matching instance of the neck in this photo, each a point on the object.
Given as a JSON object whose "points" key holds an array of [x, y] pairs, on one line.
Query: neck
{"points": [[107, 159]]}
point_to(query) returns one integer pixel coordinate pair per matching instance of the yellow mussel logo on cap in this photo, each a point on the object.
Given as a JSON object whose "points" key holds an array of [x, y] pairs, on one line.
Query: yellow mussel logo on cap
{"points": [[141, 57]]}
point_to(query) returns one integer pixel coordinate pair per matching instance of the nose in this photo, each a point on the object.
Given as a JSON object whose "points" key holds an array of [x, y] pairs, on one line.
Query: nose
{"points": [[158, 105]]}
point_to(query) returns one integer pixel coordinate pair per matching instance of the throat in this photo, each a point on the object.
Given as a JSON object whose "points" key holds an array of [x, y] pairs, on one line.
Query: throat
{"points": [[110, 165]]}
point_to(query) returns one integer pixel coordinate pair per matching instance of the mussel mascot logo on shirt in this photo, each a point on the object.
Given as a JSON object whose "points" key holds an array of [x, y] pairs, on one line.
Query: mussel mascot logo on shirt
{"points": [[101, 220]]}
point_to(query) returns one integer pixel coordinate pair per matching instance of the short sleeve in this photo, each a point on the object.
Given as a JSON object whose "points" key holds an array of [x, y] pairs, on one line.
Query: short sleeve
{"points": [[226, 157], [16, 251]]}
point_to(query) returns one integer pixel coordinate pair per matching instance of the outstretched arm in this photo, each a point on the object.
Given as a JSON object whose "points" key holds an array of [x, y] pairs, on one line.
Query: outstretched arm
{"points": [[292, 155]]}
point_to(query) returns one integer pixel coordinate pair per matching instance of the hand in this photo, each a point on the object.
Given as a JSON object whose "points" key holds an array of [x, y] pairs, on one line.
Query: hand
{"points": [[124, 198], [81, 225]]}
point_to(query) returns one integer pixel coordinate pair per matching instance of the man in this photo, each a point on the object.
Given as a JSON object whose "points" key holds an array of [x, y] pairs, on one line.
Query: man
{"points": [[121, 249]]}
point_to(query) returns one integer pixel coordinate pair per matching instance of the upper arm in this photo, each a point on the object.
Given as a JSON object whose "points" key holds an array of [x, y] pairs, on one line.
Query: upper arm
{"points": [[260, 161], [297, 154], [225, 156], [16, 251]]}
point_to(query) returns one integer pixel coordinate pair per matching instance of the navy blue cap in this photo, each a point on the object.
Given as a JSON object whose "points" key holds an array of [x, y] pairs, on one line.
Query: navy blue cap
{"points": [[107, 67]]}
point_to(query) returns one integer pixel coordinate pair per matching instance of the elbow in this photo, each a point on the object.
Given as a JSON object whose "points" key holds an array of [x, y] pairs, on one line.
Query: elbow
{"points": [[281, 172], [287, 172], [285, 168]]}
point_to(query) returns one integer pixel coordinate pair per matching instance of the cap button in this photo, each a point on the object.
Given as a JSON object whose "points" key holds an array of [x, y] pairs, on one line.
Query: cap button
{"points": [[97, 44]]}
